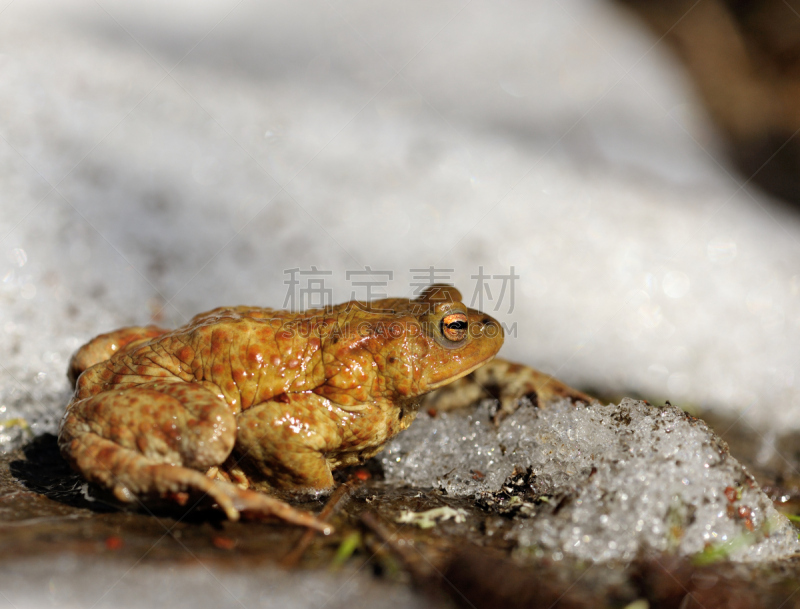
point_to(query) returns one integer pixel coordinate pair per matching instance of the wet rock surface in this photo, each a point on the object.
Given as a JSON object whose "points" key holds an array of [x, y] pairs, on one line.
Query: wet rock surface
{"points": [[519, 512]]}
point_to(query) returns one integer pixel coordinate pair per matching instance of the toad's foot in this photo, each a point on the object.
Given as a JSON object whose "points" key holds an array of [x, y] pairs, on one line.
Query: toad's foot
{"points": [[150, 440], [256, 505], [507, 382], [135, 478]]}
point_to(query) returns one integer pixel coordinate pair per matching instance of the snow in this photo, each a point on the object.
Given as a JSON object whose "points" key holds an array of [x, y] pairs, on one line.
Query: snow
{"points": [[73, 582], [157, 161], [608, 482], [186, 157]]}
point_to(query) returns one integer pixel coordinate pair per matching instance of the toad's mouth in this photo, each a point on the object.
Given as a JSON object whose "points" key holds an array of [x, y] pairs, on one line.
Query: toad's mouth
{"points": [[461, 374]]}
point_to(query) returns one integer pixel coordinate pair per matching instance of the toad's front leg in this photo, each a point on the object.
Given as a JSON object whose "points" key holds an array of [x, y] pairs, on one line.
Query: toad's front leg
{"points": [[285, 443], [151, 440]]}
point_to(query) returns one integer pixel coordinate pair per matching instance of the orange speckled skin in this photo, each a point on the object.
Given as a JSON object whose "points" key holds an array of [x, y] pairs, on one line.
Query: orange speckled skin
{"points": [[259, 398]]}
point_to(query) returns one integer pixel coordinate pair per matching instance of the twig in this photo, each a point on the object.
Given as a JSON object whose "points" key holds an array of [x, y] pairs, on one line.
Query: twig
{"points": [[338, 499]]}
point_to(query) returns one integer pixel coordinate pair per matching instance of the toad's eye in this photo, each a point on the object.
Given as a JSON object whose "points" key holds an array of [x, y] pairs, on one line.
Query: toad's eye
{"points": [[454, 327]]}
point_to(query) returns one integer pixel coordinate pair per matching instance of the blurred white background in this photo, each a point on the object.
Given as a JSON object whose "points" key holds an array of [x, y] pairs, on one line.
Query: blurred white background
{"points": [[184, 156]]}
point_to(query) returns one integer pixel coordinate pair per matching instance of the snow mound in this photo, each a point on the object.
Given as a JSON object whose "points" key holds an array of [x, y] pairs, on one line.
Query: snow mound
{"points": [[598, 482]]}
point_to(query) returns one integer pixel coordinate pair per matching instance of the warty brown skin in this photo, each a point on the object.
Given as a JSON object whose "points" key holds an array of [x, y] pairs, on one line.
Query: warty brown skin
{"points": [[246, 398]]}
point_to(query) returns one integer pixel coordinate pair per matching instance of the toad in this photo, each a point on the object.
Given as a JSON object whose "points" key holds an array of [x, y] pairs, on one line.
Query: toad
{"points": [[244, 399]]}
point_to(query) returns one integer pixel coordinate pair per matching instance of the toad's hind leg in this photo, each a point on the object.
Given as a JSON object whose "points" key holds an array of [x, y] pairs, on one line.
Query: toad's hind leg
{"points": [[104, 346], [151, 440], [507, 382]]}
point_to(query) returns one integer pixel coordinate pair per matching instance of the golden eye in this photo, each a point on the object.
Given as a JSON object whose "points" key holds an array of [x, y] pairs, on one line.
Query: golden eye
{"points": [[454, 327]]}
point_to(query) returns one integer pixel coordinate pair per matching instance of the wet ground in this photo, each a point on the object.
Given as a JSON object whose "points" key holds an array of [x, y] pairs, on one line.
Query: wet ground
{"points": [[48, 514]]}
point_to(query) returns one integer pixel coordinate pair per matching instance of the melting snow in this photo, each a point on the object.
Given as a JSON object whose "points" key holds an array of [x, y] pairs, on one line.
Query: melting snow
{"points": [[605, 481]]}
